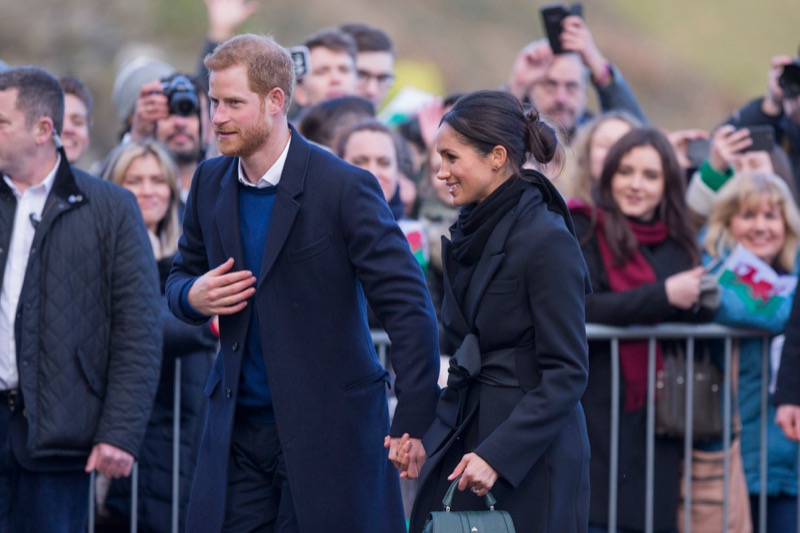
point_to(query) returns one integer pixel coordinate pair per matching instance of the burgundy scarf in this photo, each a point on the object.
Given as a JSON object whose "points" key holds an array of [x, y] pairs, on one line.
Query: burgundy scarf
{"points": [[634, 273]]}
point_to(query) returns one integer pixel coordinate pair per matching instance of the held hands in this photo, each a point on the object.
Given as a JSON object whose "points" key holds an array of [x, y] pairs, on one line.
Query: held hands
{"points": [[151, 106], [224, 16], [110, 461], [476, 474], [407, 454], [788, 419], [222, 292], [683, 288]]}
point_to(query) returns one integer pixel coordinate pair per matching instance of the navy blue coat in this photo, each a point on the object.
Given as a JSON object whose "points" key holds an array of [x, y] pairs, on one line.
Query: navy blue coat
{"points": [[332, 241]]}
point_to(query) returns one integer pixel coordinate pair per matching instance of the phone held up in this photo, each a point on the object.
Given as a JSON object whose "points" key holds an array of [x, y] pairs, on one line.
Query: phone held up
{"points": [[763, 138], [301, 62], [552, 17]]}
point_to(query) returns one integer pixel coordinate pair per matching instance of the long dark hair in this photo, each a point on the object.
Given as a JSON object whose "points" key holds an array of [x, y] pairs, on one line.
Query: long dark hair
{"points": [[671, 211], [485, 119]]}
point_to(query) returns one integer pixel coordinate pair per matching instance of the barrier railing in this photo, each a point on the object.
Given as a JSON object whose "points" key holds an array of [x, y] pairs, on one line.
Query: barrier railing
{"points": [[688, 333]]}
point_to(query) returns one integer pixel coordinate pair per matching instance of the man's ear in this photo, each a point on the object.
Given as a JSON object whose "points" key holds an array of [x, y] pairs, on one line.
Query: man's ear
{"points": [[43, 130], [276, 100]]}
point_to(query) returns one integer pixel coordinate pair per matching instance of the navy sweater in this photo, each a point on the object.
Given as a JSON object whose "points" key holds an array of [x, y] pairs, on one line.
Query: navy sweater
{"points": [[255, 210]]}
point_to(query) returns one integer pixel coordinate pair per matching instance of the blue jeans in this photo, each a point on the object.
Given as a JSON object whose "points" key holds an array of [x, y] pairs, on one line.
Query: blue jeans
{"points": [[41, 502], [781, 513]]}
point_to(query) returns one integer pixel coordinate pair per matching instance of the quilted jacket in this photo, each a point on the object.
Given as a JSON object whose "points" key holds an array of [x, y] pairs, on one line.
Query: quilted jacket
{"points": [[87, 325]]}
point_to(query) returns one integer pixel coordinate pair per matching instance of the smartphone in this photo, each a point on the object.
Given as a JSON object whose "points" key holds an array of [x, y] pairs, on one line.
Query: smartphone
{"points": [[301, 63], [552, 17], [763, 138], [697, 151]]}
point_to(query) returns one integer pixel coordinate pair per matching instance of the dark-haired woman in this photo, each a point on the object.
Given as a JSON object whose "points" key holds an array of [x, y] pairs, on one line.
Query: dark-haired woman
{"points": [[642, 258], [510, 419]]}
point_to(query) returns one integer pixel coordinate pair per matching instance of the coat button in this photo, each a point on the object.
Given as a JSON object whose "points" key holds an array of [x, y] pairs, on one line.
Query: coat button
{"points": [[235, 346], [228, 392]]}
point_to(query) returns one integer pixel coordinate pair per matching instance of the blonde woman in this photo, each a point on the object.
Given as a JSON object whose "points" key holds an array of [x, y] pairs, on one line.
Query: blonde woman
{"points": [[147, 170], [757, 212]]}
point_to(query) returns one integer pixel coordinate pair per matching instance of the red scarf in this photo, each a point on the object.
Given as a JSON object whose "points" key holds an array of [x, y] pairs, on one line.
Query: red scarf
{"points": [[634, 273]]}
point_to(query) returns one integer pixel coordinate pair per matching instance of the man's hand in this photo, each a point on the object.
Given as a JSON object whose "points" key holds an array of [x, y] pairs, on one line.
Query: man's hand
{"points": [[222, 292], [787, 418], [110, 461], [577, 38], [475, 473], [224, 16], [407, 454], [151, 106], [530, 67]]}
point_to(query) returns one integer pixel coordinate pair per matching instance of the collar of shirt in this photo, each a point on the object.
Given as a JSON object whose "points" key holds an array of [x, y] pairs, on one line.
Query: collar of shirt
{"points": [[272, 176], [46, 184]]}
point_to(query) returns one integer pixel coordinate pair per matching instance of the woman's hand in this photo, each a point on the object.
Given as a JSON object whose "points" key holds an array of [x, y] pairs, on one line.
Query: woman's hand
{"points": [[475, 473], [788, 419], [683, 288], [726, 143]]}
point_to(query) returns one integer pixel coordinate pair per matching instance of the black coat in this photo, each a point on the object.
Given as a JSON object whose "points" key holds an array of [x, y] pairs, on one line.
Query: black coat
{"points": [[88, 339], [646, 304], [332, 242], [787, 389], [196, 347], [525, 305]]}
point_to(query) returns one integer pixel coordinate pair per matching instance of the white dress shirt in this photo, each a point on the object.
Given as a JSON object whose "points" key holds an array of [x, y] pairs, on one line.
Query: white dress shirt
{"points": [[30, 204], [273, 174]]}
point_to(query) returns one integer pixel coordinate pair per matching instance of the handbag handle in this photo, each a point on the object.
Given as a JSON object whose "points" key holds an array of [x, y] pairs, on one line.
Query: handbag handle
{"points": [[447, 502]]}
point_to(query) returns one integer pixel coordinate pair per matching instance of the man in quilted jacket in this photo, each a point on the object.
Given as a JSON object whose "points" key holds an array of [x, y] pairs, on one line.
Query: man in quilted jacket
{"points": [[80, 342]]}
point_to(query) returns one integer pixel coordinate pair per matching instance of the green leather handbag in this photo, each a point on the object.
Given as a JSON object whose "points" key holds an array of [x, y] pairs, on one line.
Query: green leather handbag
{"points": [[447, 521]]}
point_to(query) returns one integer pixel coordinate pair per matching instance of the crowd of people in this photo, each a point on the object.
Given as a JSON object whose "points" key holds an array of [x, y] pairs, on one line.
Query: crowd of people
{"points": [[279, 220]]}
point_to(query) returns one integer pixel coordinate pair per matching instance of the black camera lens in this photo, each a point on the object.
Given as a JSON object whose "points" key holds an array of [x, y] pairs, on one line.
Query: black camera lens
{"points": [[790, 80], [181, 95]]}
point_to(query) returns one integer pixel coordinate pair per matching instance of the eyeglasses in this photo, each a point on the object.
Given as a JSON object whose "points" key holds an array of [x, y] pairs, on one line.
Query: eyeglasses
{"points": [[383, 80], [551, 86]]}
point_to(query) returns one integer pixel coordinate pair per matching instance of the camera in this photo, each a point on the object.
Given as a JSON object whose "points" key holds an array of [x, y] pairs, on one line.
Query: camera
{"points": [[790, 79], [181, 95]]}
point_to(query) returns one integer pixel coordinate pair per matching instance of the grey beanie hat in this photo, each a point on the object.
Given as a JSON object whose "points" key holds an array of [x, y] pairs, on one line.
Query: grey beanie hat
{"points": [[130, 80]]}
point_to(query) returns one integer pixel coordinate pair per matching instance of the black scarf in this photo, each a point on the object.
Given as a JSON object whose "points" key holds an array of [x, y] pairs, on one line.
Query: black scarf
{"points": [[477, 221]]}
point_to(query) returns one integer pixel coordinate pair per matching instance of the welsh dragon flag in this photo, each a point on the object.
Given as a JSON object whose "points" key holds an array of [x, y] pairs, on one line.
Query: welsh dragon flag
{"points": [[751, 283]]}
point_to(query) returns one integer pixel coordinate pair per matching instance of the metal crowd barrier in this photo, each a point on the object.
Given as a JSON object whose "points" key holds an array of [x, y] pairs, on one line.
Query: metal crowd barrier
{"points": [[689, 333], [595, 332]]}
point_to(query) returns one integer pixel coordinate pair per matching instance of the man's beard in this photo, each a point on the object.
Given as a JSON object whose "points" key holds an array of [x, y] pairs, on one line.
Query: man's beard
{"points": [[248, 141]]}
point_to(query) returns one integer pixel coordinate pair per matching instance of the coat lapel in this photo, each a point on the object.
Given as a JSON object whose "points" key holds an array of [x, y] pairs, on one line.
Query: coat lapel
{"points": [[225, 214], [491, 259], [286, 206], [450, 302]]}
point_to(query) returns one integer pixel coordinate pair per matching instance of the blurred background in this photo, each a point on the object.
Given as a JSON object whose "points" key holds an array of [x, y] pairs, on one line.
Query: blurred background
{"points": [[690, 63]]}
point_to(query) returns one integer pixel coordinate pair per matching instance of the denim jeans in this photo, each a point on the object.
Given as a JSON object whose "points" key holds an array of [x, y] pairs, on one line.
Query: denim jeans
{"points": [[40, 502]]}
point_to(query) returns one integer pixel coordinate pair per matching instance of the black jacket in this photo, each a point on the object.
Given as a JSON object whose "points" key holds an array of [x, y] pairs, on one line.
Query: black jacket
{"points": [[524, 309], [88, 338], [196, 347], [646, 304]]}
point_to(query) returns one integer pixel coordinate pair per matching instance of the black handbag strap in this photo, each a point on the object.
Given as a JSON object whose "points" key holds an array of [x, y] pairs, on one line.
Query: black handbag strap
{"points": [[447, 502]]}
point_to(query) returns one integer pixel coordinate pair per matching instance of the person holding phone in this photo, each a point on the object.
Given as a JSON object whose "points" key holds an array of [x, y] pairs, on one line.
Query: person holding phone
{"points": [[779, 108], [731, 152], [556, 83]]}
